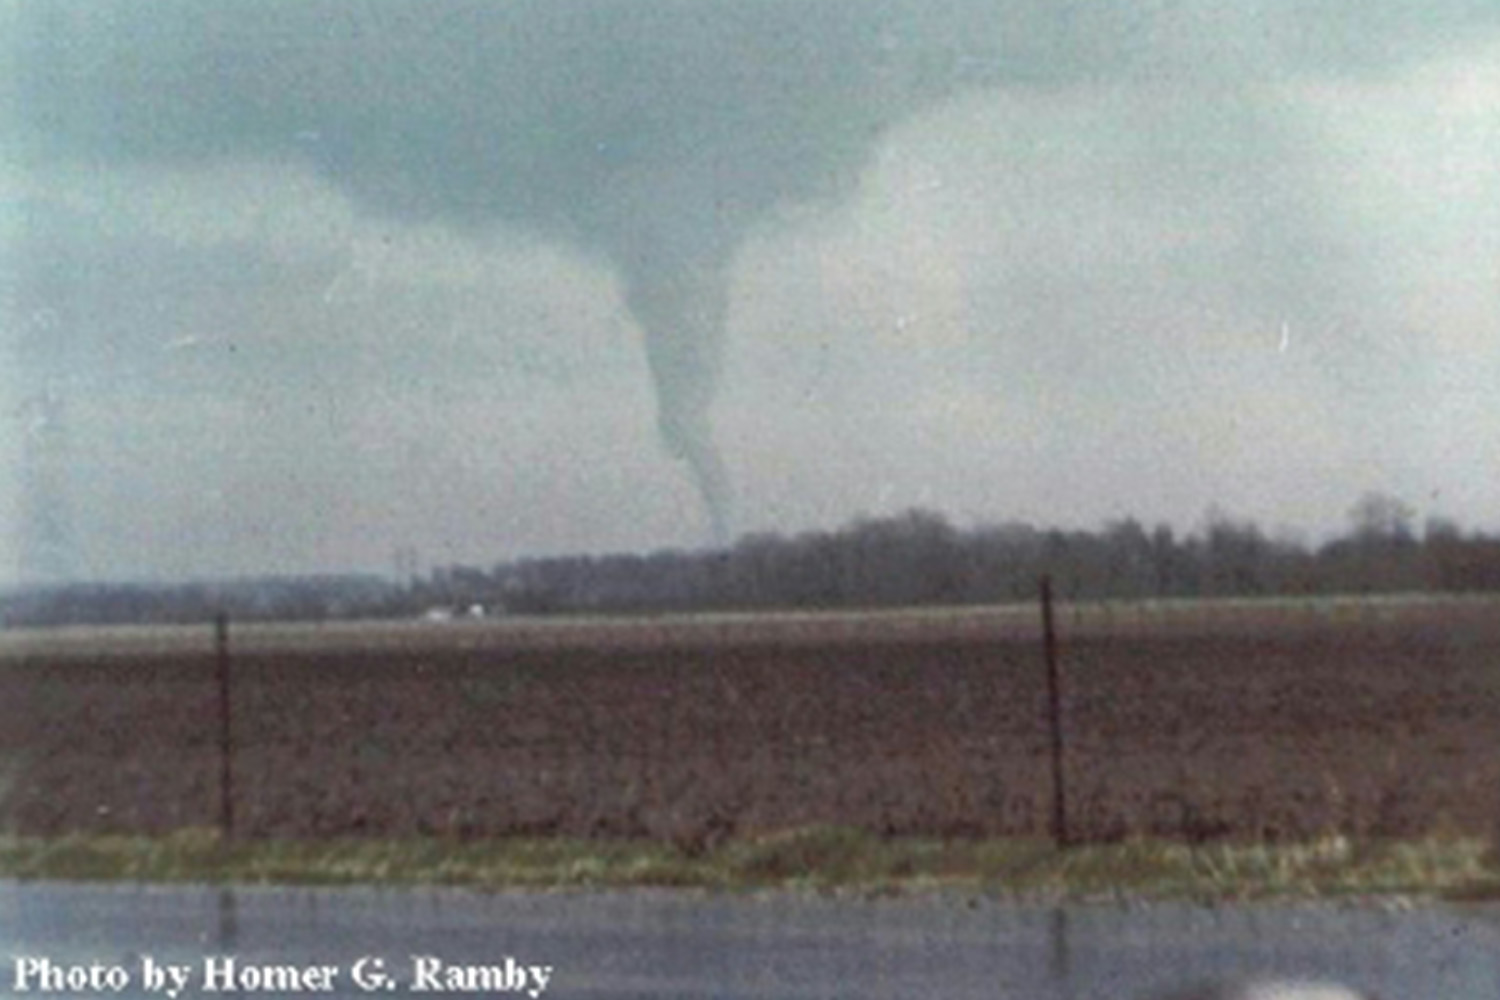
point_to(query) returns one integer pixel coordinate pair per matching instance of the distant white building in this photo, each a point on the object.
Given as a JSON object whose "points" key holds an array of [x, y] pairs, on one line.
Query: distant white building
{"points": [[443, 613]]}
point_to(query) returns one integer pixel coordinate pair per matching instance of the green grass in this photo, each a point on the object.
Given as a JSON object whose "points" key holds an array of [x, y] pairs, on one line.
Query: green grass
{"points": [[820, 858]]}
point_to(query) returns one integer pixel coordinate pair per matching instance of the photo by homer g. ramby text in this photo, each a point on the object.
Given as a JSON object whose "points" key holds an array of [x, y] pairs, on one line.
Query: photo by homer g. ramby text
{"points": [[227, 974]]}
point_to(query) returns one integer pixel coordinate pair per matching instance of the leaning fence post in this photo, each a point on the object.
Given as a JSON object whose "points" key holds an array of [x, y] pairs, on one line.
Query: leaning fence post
{"points": [[1060, 833], [226, 744]]}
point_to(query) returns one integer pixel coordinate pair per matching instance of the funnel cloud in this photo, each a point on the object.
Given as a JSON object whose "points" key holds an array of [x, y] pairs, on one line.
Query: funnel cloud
{"points": [[654, 134], [683, 310]]}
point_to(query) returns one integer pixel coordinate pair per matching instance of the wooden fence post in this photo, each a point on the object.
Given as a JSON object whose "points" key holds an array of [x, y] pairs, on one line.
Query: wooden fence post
{"points": [[226, 731], [1061, 835]]}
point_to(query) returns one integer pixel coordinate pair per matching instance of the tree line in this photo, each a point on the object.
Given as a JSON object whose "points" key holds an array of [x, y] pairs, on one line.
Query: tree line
{"points": [[919, 558], [911, 559]]}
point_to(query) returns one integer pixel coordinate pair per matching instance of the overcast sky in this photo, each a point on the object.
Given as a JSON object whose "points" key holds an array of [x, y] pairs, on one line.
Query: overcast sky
{"points": [[289, 286]]}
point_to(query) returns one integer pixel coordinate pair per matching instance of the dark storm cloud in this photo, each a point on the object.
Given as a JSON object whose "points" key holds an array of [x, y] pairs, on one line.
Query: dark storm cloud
{"points": [[650, 134], [536, 111], [655, 133]]}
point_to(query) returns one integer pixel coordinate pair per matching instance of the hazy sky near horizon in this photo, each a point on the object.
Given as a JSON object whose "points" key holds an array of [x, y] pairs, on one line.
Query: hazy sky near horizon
{"points": [[289, 286]]}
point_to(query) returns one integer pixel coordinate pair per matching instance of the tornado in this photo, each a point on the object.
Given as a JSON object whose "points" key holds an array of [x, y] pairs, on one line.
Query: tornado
{"points": [[682, 311]]}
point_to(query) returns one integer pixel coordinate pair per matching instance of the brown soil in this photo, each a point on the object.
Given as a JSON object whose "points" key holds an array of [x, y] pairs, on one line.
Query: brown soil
{"points": [[1369, 725]]}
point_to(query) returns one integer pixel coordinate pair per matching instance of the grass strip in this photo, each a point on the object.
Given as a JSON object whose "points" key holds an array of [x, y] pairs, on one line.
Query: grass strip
{"points": [[818, 858]]}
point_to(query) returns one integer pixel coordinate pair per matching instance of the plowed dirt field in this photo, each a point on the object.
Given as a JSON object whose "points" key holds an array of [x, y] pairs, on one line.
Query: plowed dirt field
{"points": [[1273, 720]]}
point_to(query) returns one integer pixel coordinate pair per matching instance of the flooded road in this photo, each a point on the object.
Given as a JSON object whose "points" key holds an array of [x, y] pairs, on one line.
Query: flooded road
{"points": [[133, 941]]}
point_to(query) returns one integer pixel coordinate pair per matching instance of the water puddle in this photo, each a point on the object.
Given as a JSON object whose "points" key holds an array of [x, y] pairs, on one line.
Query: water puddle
{"points": [[267, 941]]}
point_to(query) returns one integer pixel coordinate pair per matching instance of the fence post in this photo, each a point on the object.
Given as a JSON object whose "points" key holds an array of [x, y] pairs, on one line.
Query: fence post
{"points": [[226, 744], [1060, 833]]}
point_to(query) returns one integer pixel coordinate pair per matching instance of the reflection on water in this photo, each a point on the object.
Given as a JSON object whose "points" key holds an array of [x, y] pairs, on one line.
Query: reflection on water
{"points": [[1062, 970], [646, 944], [228, 937], [1270, 989]]}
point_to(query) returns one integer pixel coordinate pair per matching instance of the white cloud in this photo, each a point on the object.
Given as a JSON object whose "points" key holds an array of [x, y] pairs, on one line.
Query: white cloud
{"points": [[1056, 307]]}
